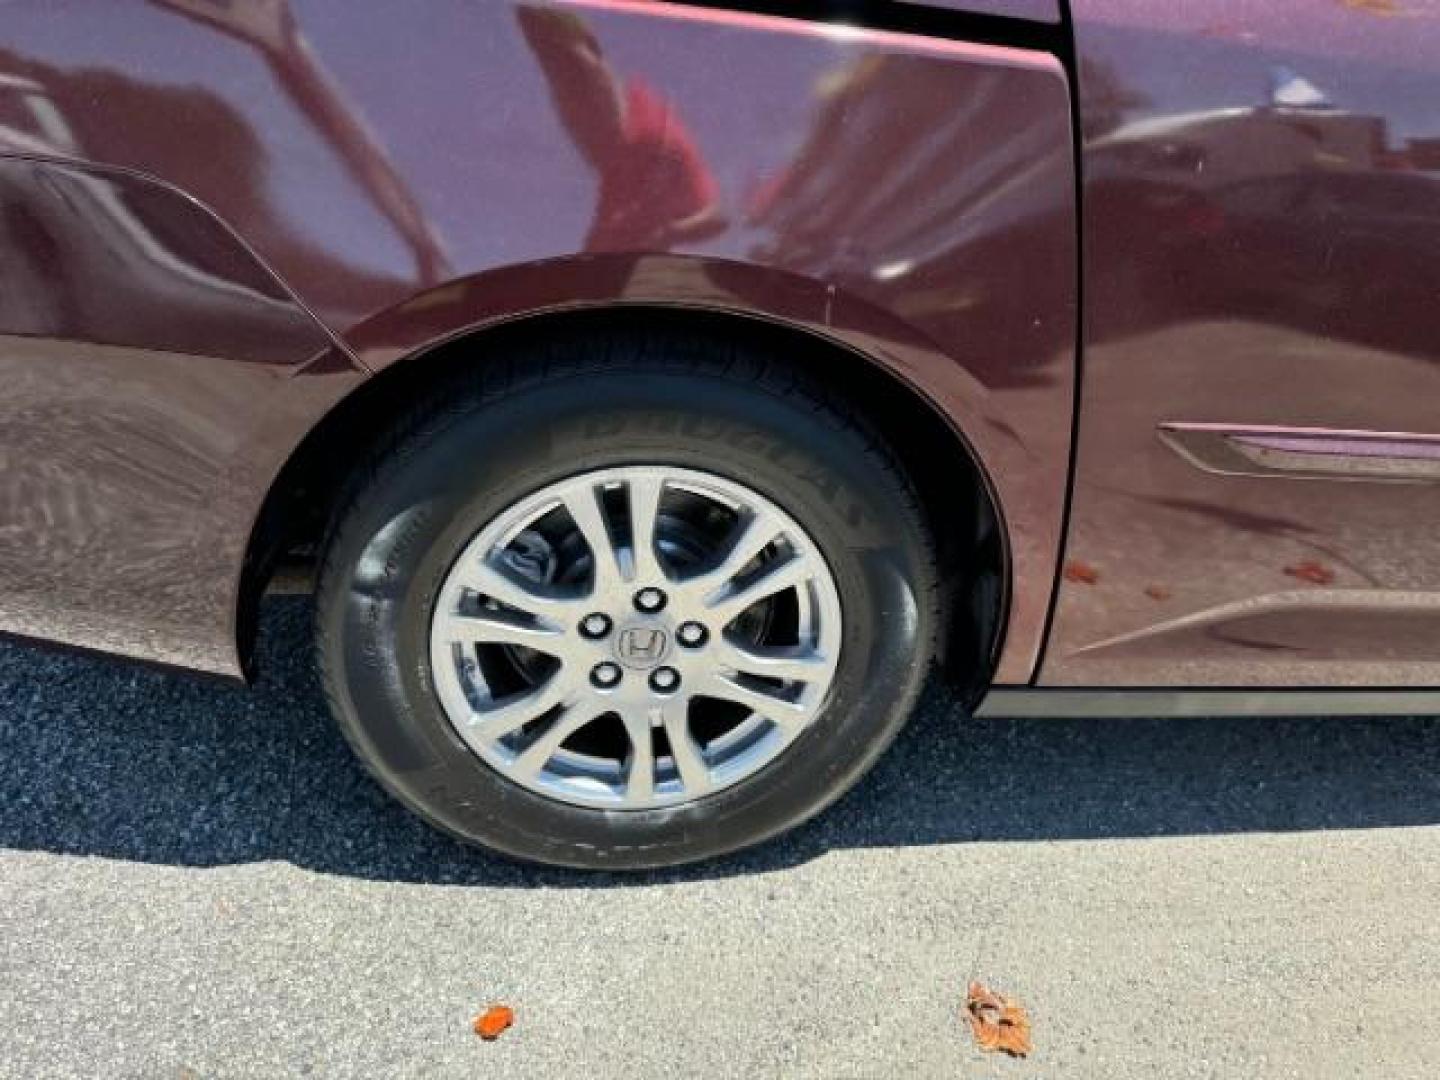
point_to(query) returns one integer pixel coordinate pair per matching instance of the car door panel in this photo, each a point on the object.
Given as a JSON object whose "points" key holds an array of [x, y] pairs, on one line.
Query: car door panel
{"points": [[1261, 209]]}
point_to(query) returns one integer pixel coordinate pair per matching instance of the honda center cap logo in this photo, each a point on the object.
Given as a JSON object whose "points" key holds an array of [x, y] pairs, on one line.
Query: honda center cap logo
{"points": [[642, 646]]}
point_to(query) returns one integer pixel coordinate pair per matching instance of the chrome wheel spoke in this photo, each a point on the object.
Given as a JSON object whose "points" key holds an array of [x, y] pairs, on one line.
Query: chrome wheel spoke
{"points": [[510, 713], [640, 770], [788, 663], [754, 533], [588, 513], [530, 761], [771, 580], [498, 583], [689, 759], [762, 702], [499, 628], [644, 497]]}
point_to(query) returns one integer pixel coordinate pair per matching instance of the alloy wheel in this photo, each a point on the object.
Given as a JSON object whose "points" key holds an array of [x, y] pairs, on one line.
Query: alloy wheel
{"points": [[635, 637]]}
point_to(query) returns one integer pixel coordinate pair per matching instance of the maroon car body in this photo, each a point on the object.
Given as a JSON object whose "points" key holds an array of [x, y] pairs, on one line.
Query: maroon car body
{"points": [[222, 222]]}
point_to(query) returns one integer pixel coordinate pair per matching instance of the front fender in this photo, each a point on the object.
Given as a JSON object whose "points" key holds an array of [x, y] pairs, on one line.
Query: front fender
{"points": [[1022, 482]]}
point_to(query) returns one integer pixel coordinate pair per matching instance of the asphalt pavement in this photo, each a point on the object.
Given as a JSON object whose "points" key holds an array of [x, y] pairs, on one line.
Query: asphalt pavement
{"points": [[197, 881]]}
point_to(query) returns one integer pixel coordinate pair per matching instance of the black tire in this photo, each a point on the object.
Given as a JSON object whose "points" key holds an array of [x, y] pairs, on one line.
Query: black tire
{"points": [[580, 404]]}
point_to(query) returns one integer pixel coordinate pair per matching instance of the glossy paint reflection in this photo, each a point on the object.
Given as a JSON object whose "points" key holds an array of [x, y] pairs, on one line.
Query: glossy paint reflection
{"points": [[654, 187], [119, 431], [413, 178], [1262, 231]]}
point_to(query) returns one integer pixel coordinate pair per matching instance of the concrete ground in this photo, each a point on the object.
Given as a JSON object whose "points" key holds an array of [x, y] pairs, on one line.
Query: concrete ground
{"points": [[196, 881]]}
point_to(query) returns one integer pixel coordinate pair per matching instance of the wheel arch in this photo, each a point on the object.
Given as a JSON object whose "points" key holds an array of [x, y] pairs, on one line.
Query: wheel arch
{"points": [[925, 405]]}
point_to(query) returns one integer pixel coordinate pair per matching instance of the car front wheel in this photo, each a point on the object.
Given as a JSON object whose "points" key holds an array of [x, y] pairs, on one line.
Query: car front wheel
{"points": [[626, 613]]}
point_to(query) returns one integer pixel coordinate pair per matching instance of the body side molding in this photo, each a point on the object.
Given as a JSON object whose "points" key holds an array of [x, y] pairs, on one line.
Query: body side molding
{"points": [[1306, 453], [1037, 703]]}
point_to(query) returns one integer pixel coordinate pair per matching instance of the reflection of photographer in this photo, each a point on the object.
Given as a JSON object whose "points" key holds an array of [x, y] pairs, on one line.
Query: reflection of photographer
{"points": [[655, 188]]}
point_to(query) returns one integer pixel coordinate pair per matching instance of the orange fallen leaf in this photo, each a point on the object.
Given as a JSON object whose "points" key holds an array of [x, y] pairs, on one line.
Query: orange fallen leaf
{"points": [[1081, 573], [494, 1020], [1374, 7], [997, 1022], [1311, 571], [1157, 592]]}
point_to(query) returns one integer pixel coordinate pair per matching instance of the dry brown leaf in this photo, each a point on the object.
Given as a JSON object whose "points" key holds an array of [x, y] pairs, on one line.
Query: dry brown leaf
{"points": [[1313, 572], [1081, 573], [494, 1020], [1157, 592], [1374, 7], [997, 1022]]}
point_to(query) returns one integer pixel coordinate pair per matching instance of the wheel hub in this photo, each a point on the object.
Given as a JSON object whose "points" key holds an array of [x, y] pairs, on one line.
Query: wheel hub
{"points": [[644, 645]]}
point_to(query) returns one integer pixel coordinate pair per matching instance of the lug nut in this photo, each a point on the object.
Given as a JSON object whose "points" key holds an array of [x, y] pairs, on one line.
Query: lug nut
{"points": [[595, 626], [691, 634], [605, 675], [664, 679], [650, 600]]}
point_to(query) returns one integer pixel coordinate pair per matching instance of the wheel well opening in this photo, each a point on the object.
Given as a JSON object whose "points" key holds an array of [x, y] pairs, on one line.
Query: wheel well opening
{"points": [[962, 515]]}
